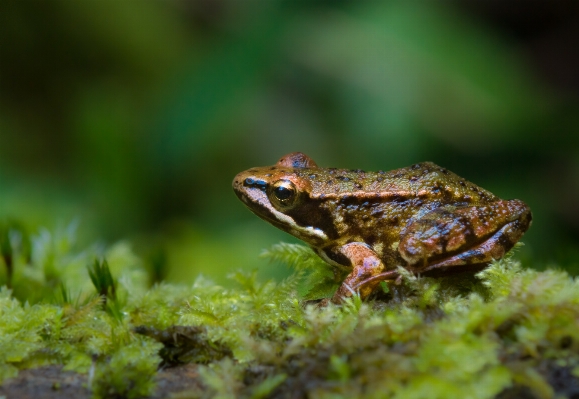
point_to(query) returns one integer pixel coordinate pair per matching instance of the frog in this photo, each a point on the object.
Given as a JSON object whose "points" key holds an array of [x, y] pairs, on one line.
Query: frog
{"points": [[422, 218]]}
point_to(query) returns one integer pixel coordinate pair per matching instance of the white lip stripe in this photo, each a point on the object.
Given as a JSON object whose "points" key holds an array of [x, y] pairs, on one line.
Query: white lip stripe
{"points": [[260, 201]]}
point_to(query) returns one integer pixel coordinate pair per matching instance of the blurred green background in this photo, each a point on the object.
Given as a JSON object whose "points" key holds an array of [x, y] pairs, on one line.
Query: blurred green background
{"points": [[132, 117]]}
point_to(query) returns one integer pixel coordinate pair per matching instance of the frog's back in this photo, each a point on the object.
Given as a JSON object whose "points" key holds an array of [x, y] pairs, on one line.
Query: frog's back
{"points": [[424, 180]]}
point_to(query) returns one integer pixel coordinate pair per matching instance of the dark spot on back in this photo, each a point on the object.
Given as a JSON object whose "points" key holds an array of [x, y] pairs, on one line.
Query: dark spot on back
{"points": [[379, 178], [370, 239], [445, 171], [437, 187], [330, 182], [345, 199], [447, 194], [313, 176], [358, 185], [377, 212], [397, 198], [415, 166], [348, 200], [381, 172], [393, 221], [343, 178]]}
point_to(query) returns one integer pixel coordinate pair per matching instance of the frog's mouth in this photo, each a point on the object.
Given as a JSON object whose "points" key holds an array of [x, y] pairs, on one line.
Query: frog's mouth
{"points": [[254, 196]]}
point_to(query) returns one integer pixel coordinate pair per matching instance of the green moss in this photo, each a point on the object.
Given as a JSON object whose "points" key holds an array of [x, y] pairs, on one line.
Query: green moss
{"points": [[129, 371], [504, 331]]}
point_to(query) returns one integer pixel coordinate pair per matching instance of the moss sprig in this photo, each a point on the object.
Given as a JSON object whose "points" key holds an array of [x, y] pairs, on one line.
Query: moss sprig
{"points": [[318, 279]]}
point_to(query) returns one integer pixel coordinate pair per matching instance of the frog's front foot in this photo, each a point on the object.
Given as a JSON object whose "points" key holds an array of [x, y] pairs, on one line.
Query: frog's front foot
{"points": [[370, 284], [365, 265]]}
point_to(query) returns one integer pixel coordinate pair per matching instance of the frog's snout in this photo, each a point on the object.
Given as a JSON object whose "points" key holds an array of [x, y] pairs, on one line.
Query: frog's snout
{"points": [[238, 186], [236, 182], [244, 181]]}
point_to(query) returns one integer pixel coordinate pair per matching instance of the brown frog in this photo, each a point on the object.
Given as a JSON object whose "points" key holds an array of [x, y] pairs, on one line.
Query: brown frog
{"points": [[423, 217]]}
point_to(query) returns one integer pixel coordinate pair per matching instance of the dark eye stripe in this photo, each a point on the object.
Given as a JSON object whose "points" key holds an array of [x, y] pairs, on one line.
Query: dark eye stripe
{"points": [[251, 182]]}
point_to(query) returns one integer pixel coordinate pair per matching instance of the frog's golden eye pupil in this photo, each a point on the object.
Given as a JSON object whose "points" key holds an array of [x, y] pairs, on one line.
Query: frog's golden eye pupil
{"points": [[283, 193]]}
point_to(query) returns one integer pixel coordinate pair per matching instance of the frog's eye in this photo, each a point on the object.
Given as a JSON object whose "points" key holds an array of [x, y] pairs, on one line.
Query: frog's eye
{"points": [[283, 194]]}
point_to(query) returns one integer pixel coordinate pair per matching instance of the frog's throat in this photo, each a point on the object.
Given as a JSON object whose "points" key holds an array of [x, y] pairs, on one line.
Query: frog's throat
{"points": [[305, 233], [259, 204]]}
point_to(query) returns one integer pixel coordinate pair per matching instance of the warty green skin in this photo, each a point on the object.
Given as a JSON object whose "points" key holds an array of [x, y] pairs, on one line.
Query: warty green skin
{"points": [[423, 217]]}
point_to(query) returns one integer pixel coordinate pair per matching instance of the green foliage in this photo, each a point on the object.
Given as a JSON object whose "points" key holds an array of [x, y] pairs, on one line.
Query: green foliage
{"points": [[20, 328], [430, 339], [320, 280], [504, 330], [106, 287], [14, 246], [129, 372], [185, 344], [102, 279]]}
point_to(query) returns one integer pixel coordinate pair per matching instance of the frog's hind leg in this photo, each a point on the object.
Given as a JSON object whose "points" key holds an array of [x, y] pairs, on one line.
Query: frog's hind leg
{"points": [[463, 238], [478, 257], [474, 259]]}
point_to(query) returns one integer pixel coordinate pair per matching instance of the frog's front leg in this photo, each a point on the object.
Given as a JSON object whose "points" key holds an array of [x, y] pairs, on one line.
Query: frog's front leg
{"points": [[365, 265], [463, 236]]}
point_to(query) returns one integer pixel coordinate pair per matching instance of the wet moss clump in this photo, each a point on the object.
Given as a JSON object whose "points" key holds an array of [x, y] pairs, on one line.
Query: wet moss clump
{"points": [[506, 332]]}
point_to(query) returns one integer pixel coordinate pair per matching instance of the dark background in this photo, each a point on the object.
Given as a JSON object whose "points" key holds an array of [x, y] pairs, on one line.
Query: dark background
{"points": [[133, 116]]}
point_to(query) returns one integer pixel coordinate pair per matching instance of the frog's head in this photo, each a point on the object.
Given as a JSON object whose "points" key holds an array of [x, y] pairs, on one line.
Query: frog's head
{"points": [[280, 194]]}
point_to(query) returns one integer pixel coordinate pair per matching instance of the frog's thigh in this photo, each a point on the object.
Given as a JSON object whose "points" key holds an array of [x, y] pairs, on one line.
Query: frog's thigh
{"points": [[493, 248], [449, 231], [365, 264]]}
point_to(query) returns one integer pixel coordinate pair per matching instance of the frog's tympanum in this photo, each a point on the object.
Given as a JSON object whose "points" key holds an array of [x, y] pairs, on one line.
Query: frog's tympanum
{"points": [[423, 218]]}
